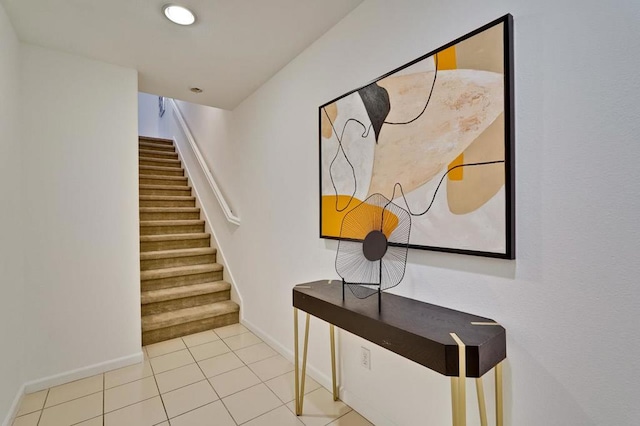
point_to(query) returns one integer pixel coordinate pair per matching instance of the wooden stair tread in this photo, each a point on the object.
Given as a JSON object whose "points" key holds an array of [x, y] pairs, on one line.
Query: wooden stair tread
{"points": [[159, 168], [172, 293], [181, 316], [167, 197], [169, 209], [174, 237], [156, 146], [143, 152], [174, 222], [162, 177], [170, 254], [179, 271], [156, 140], [169, 187], [159, 160]]}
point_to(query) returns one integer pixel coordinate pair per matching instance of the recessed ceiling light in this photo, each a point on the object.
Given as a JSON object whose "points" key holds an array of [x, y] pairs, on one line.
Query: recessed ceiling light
{"points": [[178, 14]]}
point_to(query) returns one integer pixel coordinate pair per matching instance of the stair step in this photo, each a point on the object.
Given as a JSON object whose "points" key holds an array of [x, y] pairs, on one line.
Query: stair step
{"points": [[175, 298], [172, 190], [156, 140], [156, 146], [181, 257], [165, 227], [173, 242], [166, 201], [160, 170], [160, 162], [156, 279], [169, 213], [163, 180], [156, 154], [168, 325]]}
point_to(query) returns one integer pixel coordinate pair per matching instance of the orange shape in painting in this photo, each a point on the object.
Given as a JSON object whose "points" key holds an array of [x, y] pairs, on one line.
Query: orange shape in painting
{"points": [[457, 173], [447, 59], [332, 219], [328, 115]]}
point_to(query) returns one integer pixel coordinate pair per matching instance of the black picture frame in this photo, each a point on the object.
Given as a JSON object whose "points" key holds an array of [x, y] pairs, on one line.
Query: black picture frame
{"points": [[509, 139]]}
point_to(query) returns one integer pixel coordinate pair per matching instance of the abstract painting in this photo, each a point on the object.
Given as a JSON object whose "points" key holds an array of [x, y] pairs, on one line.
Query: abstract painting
{"points": [[435, 136]]}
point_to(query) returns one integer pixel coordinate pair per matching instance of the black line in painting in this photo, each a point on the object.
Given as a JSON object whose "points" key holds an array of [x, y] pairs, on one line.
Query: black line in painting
{"points": [[433, 85]]}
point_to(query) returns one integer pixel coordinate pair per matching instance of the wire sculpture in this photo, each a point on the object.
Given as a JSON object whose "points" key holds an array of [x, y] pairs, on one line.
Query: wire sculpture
{"points": [[373, 247]]}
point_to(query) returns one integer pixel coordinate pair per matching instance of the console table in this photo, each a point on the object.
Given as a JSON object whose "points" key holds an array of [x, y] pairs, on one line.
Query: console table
{"points": [[452, 343]]}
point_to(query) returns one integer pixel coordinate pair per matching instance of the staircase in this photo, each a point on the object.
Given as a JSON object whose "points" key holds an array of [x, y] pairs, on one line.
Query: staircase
{"points": [[181, 283]]}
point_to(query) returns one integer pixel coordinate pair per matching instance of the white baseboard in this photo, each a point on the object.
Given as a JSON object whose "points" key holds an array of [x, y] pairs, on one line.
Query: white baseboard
{"points": [[14, 407], [81, 373], [312, 371]]}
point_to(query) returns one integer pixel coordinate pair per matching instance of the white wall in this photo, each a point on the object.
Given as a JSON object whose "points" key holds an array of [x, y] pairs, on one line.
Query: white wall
{"points": [[80, 171], [11, 241], [149, 122], [569, 302]]}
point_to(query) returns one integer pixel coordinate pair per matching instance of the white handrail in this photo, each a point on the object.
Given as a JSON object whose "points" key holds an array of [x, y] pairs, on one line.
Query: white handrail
{"points": [[212, 182]]}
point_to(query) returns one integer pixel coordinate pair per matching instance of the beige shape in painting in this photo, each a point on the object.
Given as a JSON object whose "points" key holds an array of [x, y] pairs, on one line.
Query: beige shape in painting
{"points": [[484, 51], [463, 104], [331, 111], [479, 183]]}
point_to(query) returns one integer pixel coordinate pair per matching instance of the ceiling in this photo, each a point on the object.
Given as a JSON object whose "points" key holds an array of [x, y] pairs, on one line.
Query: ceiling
{"points": [[231, 50]]}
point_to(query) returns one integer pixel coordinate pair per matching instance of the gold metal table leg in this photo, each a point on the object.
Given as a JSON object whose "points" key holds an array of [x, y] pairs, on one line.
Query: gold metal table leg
{"points": [[454, 400], [499, 396], [295, 361], [304, 362], [481, 404], [333, 361], [461, 403]]}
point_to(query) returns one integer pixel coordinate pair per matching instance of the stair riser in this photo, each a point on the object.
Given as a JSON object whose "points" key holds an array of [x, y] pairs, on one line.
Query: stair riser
{"points": [[162, 334], [146, 181], [173, 245], [186, 302], [147, 265], [153, 162], [156, 147], [175, 172], [178, 192], [181, 280], [158, 154], [157, 142], [167, 203], [170, 216], [171, 229]]}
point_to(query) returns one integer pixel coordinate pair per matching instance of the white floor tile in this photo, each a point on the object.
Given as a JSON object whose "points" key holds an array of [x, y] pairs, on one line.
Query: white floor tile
{"points": [[179, 377], [234, 381], [200, 338], [203, 416], [188, 398], [165, 347], [220, 364], [283, 386], [131, 393], [171, 361], [209, 350], [230, 330], [32, 402], [145, 413], [251, 403], [319, 408], [97, 421], [127, 374], [73, 390], [255, 353], [271, 367], [73, 412], [279, 417], [27, 420], [243, 340], [352, 418]]}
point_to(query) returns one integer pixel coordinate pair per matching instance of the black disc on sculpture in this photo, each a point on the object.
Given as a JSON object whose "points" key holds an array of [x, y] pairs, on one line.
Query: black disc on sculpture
{"points": [[373, 246]]}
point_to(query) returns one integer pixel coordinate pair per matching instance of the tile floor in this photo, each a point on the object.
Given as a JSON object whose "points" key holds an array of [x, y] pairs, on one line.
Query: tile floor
{"points": [[221, 377]]}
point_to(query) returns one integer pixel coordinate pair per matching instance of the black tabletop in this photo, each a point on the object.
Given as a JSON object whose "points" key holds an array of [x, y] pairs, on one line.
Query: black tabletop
{"points": [[415, 330]]}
